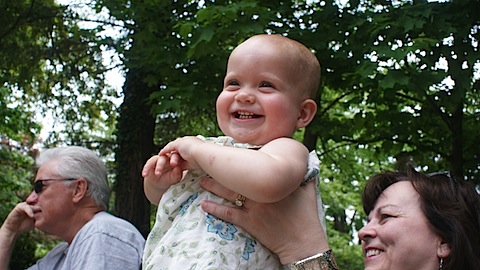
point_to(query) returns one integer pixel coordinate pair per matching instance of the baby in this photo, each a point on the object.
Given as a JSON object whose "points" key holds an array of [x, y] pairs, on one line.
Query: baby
{"points": [[268, 94]]}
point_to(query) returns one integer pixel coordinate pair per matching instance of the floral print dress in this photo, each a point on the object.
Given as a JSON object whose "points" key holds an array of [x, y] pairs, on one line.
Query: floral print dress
{"points": [[186, 237]]}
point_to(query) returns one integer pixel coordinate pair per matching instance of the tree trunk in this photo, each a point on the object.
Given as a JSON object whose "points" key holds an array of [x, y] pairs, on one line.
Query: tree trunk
{"points": [[135, 145]]}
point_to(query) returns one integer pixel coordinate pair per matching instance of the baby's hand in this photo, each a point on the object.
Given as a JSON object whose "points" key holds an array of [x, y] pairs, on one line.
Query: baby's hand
{"points": [[181, 152], [158, 171]]}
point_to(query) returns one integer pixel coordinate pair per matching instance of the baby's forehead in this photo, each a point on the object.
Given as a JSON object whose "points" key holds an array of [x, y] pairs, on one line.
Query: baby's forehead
{"points": [[274, 42], [266, 48]]}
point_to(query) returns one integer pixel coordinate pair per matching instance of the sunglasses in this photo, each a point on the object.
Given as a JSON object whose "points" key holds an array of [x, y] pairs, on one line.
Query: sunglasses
{"points": [[38, 185], [448, 175]]}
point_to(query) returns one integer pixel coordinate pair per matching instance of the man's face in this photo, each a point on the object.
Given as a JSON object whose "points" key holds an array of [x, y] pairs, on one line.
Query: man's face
{"points": [[52, 205]]}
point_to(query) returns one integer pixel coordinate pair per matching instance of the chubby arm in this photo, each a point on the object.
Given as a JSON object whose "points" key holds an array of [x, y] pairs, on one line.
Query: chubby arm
{"points": [[19, 220], [266, 175]]}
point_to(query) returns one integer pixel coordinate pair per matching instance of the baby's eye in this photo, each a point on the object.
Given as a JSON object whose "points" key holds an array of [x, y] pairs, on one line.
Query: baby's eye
{"points": [[232, 82], [231, 85], [266, 84]]}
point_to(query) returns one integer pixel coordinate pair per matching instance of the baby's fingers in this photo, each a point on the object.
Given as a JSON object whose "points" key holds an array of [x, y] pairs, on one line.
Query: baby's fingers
{"points": [[162, 165], [149, 166], [177, 175]]}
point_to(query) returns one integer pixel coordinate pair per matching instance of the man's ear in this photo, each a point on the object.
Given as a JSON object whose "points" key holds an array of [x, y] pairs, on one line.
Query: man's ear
{"points": [[307, 113], [80, 189]]}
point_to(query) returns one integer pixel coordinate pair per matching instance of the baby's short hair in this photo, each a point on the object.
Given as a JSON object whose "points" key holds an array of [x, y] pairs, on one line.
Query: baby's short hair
{"points": [[305, 62]]}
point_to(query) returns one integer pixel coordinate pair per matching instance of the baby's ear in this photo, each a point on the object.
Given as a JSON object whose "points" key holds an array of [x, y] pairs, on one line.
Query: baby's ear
{"points": [[307, 112]]}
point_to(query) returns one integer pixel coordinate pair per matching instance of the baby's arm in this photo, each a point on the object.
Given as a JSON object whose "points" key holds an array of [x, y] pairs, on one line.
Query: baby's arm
{"points": [[154, 183], [266, 175]]}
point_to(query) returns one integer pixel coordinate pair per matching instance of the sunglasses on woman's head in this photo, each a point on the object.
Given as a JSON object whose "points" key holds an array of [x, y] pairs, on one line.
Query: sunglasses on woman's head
{"points": [[38, 185], [445, 174]]}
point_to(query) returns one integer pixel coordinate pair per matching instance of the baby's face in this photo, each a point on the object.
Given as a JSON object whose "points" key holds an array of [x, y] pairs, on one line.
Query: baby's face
{"points": [[260, 100]]}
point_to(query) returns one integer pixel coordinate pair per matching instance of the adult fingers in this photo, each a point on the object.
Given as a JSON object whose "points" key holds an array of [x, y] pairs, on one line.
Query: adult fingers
{"points": [[213, 186], [175, 159], [26, 208], [230, 214], [20, 219]]}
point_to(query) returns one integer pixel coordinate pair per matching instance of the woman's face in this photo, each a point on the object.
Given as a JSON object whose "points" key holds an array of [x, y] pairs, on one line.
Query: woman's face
{"points": [[397, 234]]}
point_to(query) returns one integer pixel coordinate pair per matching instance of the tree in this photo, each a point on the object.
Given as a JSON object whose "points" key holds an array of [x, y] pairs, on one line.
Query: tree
{"points": [[53, 64], [418, 94], [47, 62]]}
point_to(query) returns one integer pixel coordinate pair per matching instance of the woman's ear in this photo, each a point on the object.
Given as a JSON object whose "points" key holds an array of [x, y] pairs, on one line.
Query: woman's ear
{"points": [[307, 113], [443, 250], [81, 187]]}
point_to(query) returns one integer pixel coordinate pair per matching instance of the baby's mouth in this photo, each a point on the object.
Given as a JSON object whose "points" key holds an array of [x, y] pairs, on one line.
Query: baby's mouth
{"points": [[245, 115]]}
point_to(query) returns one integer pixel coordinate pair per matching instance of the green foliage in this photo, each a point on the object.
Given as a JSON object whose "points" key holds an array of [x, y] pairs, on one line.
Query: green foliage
{"points": [[15, 175], [344, 169], [50, 64], [15, 123], [23, 255], [31, 247], [347, 255]]}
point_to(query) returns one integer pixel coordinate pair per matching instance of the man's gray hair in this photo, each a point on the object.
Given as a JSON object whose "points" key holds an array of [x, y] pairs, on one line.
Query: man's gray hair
{"points": [[80, 162]]}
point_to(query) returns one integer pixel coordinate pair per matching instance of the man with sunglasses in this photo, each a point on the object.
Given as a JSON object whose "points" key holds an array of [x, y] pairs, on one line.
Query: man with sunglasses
{"points": [[70, 200]]}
